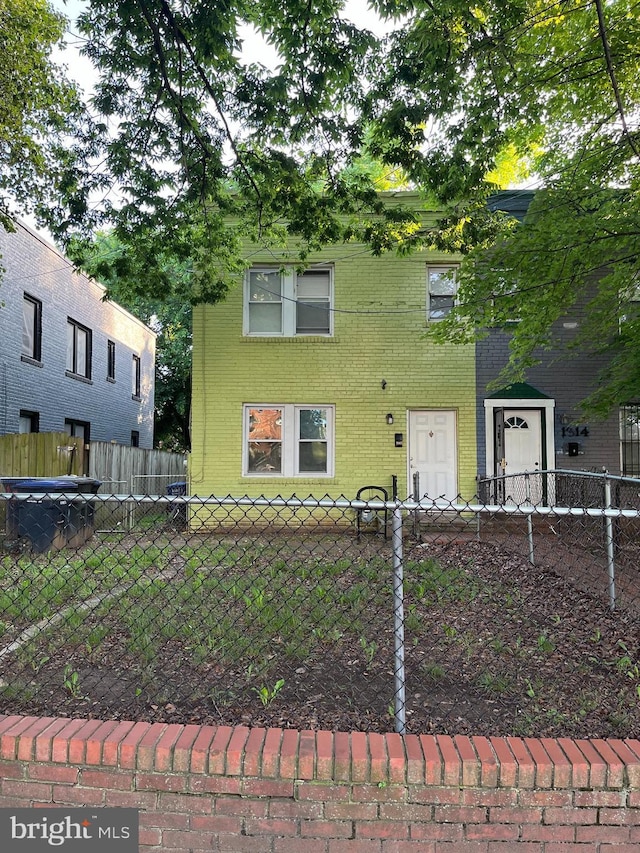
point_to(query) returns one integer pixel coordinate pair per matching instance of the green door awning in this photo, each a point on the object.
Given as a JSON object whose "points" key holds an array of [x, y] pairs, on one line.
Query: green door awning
{"points": [[518, 391]]}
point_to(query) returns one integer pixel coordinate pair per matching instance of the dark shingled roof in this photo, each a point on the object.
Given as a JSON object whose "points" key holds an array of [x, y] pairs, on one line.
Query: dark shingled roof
{"points": [[515, 202]]}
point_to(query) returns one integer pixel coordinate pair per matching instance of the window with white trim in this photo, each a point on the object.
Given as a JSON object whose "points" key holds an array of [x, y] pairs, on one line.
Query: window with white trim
{"points": [[442, 287], [286, 303], [286, 440]]}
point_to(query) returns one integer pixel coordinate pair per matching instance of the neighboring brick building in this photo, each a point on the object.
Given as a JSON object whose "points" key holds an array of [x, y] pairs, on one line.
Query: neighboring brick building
{"points": [[69, 361], [321, 381], [537, 424]]}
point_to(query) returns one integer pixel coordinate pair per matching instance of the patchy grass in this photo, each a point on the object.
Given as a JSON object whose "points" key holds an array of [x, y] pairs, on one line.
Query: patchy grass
{"points": [[300, 632]]}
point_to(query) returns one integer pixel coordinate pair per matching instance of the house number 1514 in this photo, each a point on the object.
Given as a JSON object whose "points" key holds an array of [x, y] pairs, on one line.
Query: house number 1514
{"points": [[574, 431]]}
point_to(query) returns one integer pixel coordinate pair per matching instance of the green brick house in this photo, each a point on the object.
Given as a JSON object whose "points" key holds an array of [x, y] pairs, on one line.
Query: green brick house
{"points": [[319, 381]]}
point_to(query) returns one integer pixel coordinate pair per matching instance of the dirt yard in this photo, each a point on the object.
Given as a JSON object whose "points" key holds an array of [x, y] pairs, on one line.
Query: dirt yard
{"points": [[250, 633]]}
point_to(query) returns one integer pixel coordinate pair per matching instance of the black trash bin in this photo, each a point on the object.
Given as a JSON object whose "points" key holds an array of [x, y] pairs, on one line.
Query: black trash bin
{"points": [[85, 485], [178, 512], [44, 521], [82, 523]]}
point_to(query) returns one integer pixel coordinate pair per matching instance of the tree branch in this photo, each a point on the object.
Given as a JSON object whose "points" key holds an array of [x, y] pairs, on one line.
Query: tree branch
{"points": [[170, 17], [612, 76]]}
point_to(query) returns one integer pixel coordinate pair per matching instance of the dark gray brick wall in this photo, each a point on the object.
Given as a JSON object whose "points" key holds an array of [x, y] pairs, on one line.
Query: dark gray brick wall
{"points": [[566, 376], [32, 266]]}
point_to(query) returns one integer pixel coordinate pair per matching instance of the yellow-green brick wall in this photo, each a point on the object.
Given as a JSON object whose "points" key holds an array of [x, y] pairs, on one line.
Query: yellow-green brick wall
{"points": [[346, 370]]}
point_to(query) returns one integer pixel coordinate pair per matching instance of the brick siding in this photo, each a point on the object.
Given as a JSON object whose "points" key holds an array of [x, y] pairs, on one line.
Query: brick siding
{"points": [[275, 791], [379, 333], [565, 374], [29, 265]]}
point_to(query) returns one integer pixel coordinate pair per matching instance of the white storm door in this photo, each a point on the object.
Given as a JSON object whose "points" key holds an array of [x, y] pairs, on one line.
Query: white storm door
{"points": [[523, 452], [522, 440], [433, 453]]}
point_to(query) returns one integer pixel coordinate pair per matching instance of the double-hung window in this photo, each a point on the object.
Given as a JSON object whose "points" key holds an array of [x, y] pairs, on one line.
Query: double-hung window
{"points": [[441, 290], [313, 303], [286, 303], [78, 349], [288, 440], [31, 327]]}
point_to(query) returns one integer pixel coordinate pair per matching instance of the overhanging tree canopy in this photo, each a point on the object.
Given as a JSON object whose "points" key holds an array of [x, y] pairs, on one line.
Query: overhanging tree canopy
{"points": [[193, 145], [38, 107], [189, 135], [559, 83]]}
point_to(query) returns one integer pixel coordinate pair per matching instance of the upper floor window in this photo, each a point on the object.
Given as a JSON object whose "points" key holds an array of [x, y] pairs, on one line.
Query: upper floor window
{"points": [[78, 349], [31, 327], [285, 303], [442, 287], [111, 361], [631, 303], [135, 377], [288, 441]]}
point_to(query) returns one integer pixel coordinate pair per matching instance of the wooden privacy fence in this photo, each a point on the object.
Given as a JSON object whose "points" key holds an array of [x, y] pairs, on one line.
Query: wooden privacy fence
{"points": [[120, 468], [40, 454], [132, 470]]}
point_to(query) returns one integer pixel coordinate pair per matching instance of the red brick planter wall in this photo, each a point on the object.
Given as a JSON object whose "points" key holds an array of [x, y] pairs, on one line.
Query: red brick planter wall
{"points": [[283, 791]]}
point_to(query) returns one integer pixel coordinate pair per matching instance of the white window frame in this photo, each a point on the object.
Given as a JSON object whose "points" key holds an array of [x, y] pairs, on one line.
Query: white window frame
{"points": [[440, 268], [289, 281], [290, 432]]}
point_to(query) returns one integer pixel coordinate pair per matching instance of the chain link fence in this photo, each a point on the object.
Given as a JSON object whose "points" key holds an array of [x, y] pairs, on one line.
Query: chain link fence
{"points": [[417, 615]]}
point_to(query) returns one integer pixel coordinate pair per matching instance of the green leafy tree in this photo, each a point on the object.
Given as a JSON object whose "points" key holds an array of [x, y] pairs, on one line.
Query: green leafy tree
{"points": [[170, 318], [194, 148], [38, 109], [556, 84]]}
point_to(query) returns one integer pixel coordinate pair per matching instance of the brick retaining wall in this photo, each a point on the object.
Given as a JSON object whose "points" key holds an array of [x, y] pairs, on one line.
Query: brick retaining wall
{"points": [[283, 791]]}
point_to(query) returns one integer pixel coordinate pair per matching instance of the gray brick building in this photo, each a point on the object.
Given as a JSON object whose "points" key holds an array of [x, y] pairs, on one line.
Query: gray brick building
{"points": [[536, 425], [69, 361]]}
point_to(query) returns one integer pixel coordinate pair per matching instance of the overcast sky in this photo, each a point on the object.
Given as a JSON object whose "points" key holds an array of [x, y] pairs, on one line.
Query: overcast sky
{"points": [[82, 72]]}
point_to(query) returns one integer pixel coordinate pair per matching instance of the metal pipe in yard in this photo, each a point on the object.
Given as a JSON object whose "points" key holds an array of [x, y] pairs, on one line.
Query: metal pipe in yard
{"points": [[532, 558], [527, 482], [608, 526], [416, 497], [398, 622]]}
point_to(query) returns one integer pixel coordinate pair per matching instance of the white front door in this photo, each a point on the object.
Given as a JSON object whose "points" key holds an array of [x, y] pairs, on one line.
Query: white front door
{"points": [[523, 453], [522, 440], [433, 453]]}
